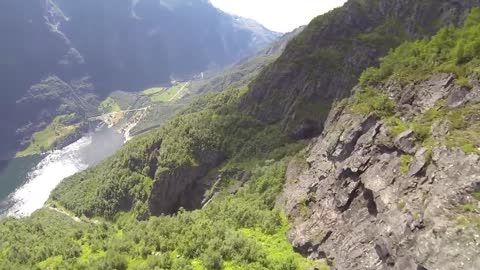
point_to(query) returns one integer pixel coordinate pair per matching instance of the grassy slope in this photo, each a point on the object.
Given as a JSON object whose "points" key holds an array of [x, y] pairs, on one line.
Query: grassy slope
{"points": [[169, 94], [44, 140], [453, 51], [109, 105], [153, 91]]}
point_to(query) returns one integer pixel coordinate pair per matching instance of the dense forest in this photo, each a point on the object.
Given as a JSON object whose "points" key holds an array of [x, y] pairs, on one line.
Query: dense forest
{"points": [[239, 229]]}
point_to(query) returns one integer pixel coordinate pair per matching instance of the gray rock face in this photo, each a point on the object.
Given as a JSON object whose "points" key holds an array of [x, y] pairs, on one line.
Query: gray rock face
{"points": [[457, 97], [406, 142], [181, 187], [354, 206], [422, 158], [422, 97]]}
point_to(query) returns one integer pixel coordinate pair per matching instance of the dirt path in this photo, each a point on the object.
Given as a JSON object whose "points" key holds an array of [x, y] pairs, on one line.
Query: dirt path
{"points": [[71, 216]]}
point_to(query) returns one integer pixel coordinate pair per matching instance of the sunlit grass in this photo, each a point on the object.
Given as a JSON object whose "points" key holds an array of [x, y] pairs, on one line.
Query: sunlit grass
{"points": [[109, 105], [44, 140], [169, 94]]}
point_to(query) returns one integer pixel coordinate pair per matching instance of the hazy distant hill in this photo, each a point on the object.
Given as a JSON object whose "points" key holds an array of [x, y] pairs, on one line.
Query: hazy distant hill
{"points": [[118, 44]]}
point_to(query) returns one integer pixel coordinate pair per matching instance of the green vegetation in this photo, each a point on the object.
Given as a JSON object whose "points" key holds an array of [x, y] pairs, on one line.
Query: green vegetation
{"points": [[387, 35], [209, 127], [401, 205], [470, 215], [396, 125], [476, 196], [46, 139], [235, 231], [169, 94], [469, 207], [153, 91], [372, 101], [109, 105], [451, 50], [465, 129], [240, 231], [406, 161]]}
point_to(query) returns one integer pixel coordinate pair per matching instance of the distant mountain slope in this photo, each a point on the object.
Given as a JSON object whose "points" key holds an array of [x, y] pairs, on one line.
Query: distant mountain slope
{"points": [[323, 63], [112, 44], [129, 44], [236, 75], [247, 69]]}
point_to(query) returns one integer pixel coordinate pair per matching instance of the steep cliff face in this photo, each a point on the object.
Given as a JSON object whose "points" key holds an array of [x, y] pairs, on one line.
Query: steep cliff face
{"points": [[393, 182], [182, 187], [358, 203], [323, 63]]}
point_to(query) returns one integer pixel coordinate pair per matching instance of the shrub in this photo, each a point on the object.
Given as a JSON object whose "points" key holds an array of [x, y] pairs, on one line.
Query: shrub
{"points": [[406, 161], [372, 101], [451, 50]]}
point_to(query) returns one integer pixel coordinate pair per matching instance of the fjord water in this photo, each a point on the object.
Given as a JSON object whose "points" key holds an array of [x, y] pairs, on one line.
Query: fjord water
{"points": [[26, 183]]}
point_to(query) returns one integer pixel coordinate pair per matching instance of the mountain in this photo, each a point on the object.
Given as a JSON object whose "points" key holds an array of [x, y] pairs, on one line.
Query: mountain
{"points": [[358, 148], [235, 75], [394, 176], [323, 63], [131, 45], [111, 45]]}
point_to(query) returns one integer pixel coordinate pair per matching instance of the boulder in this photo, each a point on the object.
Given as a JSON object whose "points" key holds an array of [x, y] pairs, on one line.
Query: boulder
{"points": [[406, 142]]}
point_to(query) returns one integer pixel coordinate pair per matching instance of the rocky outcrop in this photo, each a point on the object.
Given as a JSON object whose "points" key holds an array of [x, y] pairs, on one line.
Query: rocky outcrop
{"points": [[181, 187], [358, 204], [324, 62]]}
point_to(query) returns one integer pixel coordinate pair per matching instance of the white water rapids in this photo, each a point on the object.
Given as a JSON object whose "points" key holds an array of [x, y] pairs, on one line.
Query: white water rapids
{"points": [[55, 167], [33, 191]]}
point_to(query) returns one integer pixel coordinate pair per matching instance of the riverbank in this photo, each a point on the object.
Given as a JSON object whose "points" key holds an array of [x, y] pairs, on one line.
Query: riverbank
{"points": [[30, 184]]}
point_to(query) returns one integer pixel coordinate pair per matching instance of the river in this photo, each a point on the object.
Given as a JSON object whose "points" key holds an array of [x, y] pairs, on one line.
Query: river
{"points": [[26, 183]]}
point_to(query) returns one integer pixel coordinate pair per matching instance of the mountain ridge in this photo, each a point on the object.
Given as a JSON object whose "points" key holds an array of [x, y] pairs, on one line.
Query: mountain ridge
{"points": [[342, 43], [112, 48]]}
